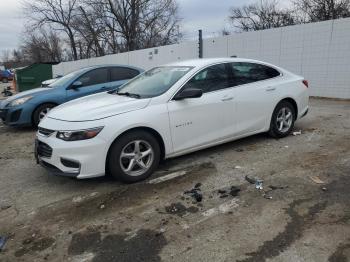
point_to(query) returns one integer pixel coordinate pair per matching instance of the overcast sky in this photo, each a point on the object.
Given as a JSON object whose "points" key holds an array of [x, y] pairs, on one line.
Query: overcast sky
{"points": [[208, 15]]}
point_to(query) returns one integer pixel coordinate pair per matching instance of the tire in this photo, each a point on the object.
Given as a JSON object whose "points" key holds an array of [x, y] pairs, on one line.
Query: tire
{"points": [[39, 111], [126, 145], [277, 129], [5, 80]]}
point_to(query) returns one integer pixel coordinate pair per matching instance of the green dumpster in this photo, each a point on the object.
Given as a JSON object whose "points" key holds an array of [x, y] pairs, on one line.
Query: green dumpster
{"points": [[31, 76]]}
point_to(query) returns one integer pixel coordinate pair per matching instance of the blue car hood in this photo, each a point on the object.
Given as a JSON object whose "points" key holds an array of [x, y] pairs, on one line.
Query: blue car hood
{"points": [[25, 93]]}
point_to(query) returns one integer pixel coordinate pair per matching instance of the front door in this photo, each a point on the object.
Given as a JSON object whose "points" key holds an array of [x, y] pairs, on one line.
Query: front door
{"points": [[200, 121], [94, 81]]}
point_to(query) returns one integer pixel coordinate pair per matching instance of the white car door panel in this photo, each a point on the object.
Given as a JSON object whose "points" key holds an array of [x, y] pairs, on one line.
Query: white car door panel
{"points": [[199, 121], [254, 100]]}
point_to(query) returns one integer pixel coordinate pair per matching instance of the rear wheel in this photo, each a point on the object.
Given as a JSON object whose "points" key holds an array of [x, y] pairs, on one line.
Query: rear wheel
{"points": [[282, 121], [134, 157], [40, 112]]}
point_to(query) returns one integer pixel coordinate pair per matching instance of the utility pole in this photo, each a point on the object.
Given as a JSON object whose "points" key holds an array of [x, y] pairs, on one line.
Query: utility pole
{"points": [[200, 44]]}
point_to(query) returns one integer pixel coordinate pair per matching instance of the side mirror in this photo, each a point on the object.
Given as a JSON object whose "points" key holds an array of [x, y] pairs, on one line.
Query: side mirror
{"points": [[76, 85], [189, 93]]}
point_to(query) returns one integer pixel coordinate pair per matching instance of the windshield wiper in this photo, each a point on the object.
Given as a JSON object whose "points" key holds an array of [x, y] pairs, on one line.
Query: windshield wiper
{"points": [[129, 94]]}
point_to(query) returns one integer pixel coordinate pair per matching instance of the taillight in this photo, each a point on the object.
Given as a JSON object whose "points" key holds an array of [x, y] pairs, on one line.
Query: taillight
{"points": [[306, 83]]}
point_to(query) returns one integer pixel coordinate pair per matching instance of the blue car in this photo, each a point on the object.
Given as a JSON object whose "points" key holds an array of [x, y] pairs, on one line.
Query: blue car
{"points": [[29, 107]]}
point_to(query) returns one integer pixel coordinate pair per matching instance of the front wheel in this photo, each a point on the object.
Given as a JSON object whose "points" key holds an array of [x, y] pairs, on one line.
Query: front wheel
{"points": [[282, 121], [134, 157], [40, 112]]}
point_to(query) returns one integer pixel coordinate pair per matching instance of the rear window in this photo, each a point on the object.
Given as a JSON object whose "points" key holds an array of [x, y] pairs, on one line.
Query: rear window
{"points": [[244, 73], [123, 73]]}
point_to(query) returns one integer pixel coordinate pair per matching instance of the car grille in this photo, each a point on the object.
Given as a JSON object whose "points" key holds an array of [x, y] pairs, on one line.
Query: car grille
{"points": [[44, 150], [45, 132]]}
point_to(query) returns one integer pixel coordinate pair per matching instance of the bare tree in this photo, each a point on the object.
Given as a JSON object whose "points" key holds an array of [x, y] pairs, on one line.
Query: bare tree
{"points": [[142, 23], [321, 10], [99, 27], [59, 14], [42, 46], [261, 15]]}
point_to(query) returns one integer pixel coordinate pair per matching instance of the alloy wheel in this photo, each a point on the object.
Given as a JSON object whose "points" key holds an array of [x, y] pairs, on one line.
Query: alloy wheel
{"points": [[136, 157], [43, 113], [284, 119]]}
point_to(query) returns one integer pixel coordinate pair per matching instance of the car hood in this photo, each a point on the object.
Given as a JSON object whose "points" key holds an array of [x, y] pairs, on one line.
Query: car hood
{"points": [[95, 107], [25, 93]]}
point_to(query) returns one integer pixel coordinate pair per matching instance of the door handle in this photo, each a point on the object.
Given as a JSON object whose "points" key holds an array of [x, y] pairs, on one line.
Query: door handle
{"points": [[270, 88], [102, 88], [227, 98]]}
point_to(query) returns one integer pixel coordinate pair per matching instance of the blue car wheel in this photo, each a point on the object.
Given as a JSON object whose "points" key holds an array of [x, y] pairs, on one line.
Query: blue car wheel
{"points": [[40, 112]]}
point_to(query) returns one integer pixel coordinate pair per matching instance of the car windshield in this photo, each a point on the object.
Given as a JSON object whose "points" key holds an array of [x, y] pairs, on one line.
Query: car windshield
{"points": [[154, 82], [64, 79]]}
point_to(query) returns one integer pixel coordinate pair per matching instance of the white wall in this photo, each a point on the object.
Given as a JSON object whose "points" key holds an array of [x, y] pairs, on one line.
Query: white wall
{"points": [[318, 51]]}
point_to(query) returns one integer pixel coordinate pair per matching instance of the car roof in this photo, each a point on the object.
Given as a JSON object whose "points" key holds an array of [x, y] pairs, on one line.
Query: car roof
{"points": [[112, 65], [200, 62]]}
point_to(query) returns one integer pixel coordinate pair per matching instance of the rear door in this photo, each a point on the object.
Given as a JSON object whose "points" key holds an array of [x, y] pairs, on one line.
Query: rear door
{"points": [[94, 81], [256, 92], [120, 75], [196, 122]]}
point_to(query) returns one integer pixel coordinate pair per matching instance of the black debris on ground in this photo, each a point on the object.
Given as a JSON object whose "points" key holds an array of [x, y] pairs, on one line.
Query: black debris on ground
{"points": [[277, 187], [225, 192], [195, 192]]}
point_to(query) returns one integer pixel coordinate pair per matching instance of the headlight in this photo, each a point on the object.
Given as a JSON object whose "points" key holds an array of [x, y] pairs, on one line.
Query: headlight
{"points": [[79, 135], [20, 101]]}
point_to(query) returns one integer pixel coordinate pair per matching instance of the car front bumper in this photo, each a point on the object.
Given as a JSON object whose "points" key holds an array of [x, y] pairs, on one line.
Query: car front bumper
{"points": [[79, 159], [16, 116]]}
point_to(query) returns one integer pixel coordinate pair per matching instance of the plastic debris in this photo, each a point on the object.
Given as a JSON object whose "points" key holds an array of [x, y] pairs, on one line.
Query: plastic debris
{"points": [[238, 167], [234, 191], [195, 192], [297, 133], [2, 242], [250, 179], [324, 188], [225, 192], [102, 206], [259, 184], [267, 196], [198, 185], [317, 180], [277, 187], [7, 92]]}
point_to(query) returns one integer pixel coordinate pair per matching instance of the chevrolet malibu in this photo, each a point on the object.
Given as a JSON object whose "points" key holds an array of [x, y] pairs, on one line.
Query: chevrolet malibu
{"points": [[29, 107], [169, 111]]}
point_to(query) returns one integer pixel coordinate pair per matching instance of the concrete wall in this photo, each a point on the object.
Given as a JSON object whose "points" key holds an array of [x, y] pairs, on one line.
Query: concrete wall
{"points": [[318, 51]]}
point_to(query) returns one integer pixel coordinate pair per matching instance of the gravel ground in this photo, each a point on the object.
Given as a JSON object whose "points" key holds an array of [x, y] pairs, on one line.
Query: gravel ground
{"points": [[302, 213]]}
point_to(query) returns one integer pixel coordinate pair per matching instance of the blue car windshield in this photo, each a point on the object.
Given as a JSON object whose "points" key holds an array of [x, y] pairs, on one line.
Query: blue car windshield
{"points": [[67, 78], [154, 82]]}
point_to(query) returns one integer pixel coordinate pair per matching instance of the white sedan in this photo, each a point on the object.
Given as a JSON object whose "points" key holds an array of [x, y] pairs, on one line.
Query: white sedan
{"points": [[169, 111]]}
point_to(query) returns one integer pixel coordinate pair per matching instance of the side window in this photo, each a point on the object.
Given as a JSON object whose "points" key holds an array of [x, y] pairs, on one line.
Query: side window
{"points": [[244, 73], [210, 79], [94, 77], [122, 73]]}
